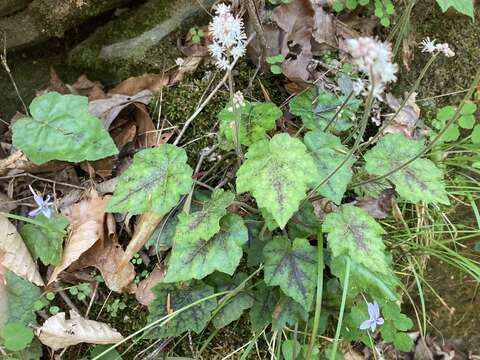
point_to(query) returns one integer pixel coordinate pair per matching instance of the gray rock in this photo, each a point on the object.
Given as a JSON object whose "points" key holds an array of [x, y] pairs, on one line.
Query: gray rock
{"points": [[8, 7]]}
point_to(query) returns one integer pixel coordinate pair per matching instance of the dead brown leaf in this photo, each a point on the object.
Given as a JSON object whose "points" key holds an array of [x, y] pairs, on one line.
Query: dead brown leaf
{"points": [[190, 64], [17, 163], [108, 109], [324, 29], [56, 84], [322, 207], [407, 121], [102, 167], [198, 49], [137, 84], [85, 87], [144, 294], [58, 332], [15, 256], [122, 135], [378, 208], [6, 203], [146, 132], [86, 228]]}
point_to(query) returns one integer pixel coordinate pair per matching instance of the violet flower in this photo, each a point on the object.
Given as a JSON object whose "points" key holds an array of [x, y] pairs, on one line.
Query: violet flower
{"points": [[375, 318], [43, 205]]}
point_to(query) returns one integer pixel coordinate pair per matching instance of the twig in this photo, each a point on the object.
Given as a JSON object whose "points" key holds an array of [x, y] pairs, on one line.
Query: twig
{"points": [[67, 301], [92, 299]]}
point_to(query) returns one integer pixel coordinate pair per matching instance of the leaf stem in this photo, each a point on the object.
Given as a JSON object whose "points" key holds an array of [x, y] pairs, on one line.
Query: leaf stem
{"points": [[25, 219], [342, 310], [318, 303]]}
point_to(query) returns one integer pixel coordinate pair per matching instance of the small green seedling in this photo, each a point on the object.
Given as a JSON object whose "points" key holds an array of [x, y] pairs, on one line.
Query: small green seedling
{"points": [[278, 2], [115, 306], [197, 34], [275, 63], [80, 291]]}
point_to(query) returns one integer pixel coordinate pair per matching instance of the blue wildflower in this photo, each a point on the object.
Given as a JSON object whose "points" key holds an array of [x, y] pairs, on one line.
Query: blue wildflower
{"points": [[43, 205], [375, 318]]}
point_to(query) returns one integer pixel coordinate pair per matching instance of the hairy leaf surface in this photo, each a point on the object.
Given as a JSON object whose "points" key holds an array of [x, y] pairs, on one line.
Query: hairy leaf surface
{"points": [[170, 298], [420, 180], [278, 173], [317, 107], [292, 266], [154, 182], [196, 258], [256, 120], [353, 232], [21, 295], [203, 224], [328, 152], [45, 243], [61, 128]]}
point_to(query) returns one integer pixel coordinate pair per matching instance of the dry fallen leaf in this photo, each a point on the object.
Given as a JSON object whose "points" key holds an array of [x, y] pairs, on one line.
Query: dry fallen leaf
{"points": [[407, 121], [108, 109], [144, 294], [86, 228], [17, 163], [58, 333], [6, 204], [379, 208], [136, 84], [14, 255], [102, 167], [84, 86], [146, 132], [190, 64]]}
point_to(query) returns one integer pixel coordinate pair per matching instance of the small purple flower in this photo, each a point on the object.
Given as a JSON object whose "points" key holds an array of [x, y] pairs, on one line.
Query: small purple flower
{"points": [[375, 318], [43, 205]]}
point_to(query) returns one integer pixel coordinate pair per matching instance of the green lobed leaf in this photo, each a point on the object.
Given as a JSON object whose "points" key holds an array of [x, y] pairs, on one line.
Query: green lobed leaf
{"points": [[278, 173], [170, 297], [354, 233], [61, 128], [111, 355], [363, 280], [263, 307], [418, 181], [293, 267], [205, 223], [287, 312], [154, 182], [256, 119], [462, 6], [316, 107], [22, 296], [195, 258], [328, 152], [162, 237], [304, 222], [45, 242], [16, 336]]}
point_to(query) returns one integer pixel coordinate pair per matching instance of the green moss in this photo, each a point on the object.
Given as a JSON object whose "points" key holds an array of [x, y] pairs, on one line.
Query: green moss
{"points": [[447, 74]]}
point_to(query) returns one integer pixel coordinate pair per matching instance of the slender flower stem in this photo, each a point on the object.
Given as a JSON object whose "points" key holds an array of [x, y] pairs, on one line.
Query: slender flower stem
{"points": [[342, 310], [236, 114], [318, 303]]}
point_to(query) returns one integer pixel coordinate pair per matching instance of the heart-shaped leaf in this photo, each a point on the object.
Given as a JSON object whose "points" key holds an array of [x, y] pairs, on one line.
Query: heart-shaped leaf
{"points": [[264, 300], [353, 232], [292, 266], [255, 121], [154, 182], [203, 224], [45, 242], [197, 258], [317, 107], [328, 152], [418, 181], [61, 128], [287, 312], [278, 173], [170, 298]]}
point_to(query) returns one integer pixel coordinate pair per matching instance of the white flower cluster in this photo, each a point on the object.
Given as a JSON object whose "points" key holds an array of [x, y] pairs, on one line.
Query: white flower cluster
{"points": [[374, 58], [238, 101], [229, 38], [429, 46]]}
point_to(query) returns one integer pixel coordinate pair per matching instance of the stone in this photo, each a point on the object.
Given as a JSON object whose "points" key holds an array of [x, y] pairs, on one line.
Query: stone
{"points": [[8, 7], [138, 41]]}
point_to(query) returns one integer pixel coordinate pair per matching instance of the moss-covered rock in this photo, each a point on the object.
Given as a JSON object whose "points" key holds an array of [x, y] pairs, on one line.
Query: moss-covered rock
{"points": [[140, 40], [8, 7]]}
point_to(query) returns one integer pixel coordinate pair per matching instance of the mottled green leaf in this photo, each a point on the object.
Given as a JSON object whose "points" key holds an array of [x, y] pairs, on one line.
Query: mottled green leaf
{"points": [[22, 296], [195, 258], [363, 280], [462, 6], [316, 107], [61, 128], [154, 182], [205, 223], [256, 120], [278, 173], [287, 312], [418, 181], [170, 297], [403, 342], [45, 242], [263, 306], [292, 266], [328, 152], [304, 222], [162, 237], [353, 232], [233, 309]]}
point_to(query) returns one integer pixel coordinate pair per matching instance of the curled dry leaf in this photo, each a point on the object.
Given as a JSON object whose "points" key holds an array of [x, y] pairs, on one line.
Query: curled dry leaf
{"points": [[102, 167], [379, 208], [144, 294], [86, 228], [146, 132], [407, 122], [108, 109], [58, 332], [134, 85], [17, 163], [84, 86], [14, 255]]}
